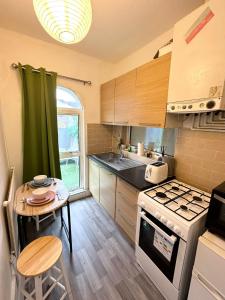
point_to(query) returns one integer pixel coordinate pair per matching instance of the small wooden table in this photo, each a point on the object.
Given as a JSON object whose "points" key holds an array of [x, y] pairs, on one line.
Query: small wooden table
{"points": [[25, 210]]}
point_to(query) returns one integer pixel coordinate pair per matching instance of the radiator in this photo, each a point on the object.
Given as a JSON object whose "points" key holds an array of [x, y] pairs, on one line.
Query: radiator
{"points": [[11, 219]]}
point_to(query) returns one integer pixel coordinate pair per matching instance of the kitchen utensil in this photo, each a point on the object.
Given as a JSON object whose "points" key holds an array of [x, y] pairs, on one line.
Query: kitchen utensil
{"points": [[156, 172], [24, 201]]}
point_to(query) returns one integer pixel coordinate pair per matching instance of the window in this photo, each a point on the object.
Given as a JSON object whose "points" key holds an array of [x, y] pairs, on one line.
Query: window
{"points": [[154, 138], [70, 135]]}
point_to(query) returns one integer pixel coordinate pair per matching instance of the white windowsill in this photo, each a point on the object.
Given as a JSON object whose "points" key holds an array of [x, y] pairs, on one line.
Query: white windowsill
{"points": [[79, 194]]}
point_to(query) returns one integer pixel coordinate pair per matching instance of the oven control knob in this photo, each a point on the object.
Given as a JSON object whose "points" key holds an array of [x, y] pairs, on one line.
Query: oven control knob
{"points": [[157, 215], [170, 225], [177, 230], [164, 220]]}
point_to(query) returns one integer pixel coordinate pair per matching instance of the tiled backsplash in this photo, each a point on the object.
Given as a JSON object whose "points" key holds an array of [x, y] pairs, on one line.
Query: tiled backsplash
{"points": [[200, 158], [105, 138], [120, 132], [99, 138]]}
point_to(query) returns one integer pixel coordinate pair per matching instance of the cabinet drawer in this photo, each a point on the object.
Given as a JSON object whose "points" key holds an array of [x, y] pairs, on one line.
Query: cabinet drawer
{"points": [[127, 191], [126, 223]]}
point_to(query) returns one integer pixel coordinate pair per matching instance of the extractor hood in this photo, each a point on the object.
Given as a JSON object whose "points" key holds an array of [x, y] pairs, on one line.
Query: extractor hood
{"points": [[197, 71]]}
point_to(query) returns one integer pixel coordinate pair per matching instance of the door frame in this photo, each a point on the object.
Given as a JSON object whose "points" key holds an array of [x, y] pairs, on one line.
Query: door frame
{"points": [[81, 137]]}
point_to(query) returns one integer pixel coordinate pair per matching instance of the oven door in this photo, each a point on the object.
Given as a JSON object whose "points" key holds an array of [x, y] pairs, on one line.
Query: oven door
{"points": [[215, 221], [159, 243]]}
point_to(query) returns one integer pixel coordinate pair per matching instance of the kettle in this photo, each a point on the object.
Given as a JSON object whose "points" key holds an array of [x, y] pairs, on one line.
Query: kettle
{"points": [[156, 172]]}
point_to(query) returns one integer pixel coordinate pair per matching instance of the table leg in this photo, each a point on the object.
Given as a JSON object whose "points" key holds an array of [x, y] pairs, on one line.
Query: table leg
{"points": [[21, 232], [61, 215], [24, 223], [69, 225]]}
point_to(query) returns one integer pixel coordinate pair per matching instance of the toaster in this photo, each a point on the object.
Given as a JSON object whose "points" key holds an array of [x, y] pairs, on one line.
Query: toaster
{"points": [[156, 172]]}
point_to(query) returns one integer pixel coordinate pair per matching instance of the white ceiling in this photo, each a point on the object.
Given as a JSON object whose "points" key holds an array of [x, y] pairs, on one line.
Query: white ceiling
{"points": [[119, 26]]}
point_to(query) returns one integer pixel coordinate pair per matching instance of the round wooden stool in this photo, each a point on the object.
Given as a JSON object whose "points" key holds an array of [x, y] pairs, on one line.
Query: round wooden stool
{"points": [[39, 260]]}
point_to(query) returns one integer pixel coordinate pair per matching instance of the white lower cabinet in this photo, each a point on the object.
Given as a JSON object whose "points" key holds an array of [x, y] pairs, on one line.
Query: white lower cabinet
{"points": [[200, 289], [117, 197], [126, 207], [208, 274], [108, 191], [94, 177]]}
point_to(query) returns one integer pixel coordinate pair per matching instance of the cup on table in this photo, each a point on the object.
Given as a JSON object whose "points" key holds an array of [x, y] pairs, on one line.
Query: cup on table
{"points": [[39, 179], [40, 193]]}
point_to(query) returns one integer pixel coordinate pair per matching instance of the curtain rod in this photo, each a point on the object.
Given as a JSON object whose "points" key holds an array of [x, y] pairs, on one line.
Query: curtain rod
{"points": [[15, 66]]}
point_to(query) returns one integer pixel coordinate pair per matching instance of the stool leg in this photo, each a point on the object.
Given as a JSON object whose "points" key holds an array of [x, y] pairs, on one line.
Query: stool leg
{"points": [[37, 223], [38, 287], [21, 287], [54, 216], [65, 279]]}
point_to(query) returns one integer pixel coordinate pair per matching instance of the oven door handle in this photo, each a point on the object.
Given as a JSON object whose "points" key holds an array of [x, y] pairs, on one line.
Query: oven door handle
{"points": [[171, 238]]}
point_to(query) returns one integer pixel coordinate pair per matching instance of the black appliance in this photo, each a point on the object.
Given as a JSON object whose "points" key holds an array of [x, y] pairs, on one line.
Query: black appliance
{"points": [[215, 221]]}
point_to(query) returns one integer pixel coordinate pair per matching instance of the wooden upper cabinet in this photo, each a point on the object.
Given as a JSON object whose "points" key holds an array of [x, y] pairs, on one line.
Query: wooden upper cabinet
{"points": [[107, 102], [151, 93], [124, 97]]}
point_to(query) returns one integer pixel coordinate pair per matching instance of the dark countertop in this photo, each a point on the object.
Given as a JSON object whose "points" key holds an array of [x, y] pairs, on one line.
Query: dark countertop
{"points": [[134, 176]]}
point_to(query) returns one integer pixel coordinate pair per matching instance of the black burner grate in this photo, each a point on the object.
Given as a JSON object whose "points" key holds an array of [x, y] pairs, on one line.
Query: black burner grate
{"points": [[184, 190]]}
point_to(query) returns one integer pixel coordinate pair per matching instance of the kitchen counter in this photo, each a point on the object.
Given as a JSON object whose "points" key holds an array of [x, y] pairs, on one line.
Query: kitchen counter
{"points": [[134, 176]]}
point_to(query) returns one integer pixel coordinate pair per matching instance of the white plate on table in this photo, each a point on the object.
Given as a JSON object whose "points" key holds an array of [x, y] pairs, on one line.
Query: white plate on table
{"points": [[37, 202]]}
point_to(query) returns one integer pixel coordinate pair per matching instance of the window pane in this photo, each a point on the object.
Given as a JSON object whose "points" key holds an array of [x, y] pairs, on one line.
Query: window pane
{"points": [[67, 99], [70, 170], [68, 133]]}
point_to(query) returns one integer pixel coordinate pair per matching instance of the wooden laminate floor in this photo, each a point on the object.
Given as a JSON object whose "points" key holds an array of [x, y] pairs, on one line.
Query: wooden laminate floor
{"points": [[102, 265]]}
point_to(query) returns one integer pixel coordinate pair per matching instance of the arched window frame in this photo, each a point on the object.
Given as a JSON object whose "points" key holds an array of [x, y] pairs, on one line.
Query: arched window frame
{"points": [[81, 152]]}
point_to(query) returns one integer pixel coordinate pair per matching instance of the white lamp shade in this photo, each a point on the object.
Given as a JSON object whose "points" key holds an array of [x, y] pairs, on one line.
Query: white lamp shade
{"points": [[67, 21]]}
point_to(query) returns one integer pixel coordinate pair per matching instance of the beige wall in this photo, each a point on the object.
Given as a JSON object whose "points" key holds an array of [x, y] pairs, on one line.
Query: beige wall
{"points": [[138, 58], [20, 48], [5, 270], [200, 158]]}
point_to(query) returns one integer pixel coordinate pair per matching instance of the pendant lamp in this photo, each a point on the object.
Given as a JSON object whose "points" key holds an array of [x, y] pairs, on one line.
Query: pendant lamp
{"points": [[67, 21]]}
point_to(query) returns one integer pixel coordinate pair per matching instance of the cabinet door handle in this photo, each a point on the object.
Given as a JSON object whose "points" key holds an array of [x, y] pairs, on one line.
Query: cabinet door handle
{"points": [[171, 238], [150, 124]]}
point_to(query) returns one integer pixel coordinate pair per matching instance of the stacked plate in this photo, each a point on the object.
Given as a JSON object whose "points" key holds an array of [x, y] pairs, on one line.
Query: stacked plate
{"points": [[41, 196], [40, 181]]}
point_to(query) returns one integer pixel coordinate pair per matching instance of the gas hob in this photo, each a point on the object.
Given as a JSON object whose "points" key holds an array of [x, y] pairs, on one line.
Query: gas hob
{"points": [[184, 200]]}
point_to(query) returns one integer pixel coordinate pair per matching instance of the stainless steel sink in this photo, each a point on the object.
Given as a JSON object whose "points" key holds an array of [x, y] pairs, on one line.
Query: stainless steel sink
{"points": [[117, 162]]}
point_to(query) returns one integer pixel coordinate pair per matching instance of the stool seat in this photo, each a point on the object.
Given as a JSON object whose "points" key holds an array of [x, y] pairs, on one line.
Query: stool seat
{"points": [[39, 256]]}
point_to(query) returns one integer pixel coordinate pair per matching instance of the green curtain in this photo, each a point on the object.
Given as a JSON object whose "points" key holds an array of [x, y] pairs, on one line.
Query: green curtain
{"points": [[39, 115]]}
